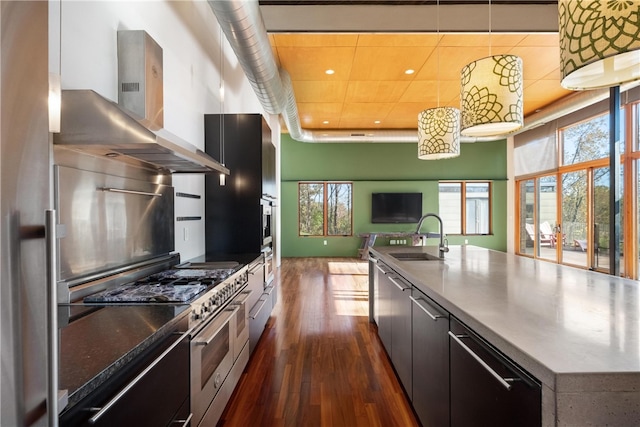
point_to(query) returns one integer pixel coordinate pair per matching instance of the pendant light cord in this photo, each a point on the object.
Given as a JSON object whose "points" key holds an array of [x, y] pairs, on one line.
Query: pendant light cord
{"points": [[438, 48], [490, 28], [221, 93]]}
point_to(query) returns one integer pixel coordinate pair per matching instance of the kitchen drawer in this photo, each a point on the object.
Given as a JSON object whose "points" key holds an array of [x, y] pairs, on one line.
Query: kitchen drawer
{"points": [[487, 389], [138, 395], [258, 317]]}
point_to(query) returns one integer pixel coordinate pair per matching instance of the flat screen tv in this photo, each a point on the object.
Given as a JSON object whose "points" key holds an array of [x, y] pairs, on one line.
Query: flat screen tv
{"points": [[396, 208]]}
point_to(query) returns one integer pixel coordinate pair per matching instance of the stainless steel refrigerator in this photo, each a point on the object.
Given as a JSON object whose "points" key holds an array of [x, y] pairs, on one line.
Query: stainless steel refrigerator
{"points": [[24, 196]]}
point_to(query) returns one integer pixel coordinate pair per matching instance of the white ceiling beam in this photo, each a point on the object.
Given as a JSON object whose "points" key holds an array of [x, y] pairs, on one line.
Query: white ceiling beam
{"points": [[510, 18]]}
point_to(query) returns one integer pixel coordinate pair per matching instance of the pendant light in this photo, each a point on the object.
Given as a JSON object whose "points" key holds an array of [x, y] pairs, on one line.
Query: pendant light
{"points": [[438, 128], [599, 43], [491, 95]]}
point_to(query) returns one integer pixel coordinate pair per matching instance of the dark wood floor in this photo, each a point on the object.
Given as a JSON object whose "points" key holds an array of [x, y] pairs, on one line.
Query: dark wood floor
{"points": [[319, 362]]}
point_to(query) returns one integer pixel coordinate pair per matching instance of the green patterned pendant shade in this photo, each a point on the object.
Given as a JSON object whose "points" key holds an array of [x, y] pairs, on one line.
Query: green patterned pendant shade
{"points": [[491, 96], [439, 133], [599, 42]]}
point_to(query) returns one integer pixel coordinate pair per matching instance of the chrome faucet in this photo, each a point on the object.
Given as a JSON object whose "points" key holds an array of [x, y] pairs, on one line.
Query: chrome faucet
{"points": [[442, 247]]}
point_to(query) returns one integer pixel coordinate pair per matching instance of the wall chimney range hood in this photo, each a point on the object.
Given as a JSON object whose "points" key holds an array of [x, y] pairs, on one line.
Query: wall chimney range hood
{"points": [[94, 124], [133, 127]]}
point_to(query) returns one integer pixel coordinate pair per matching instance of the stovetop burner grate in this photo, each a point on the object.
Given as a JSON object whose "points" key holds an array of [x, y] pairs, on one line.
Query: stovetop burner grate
{"points": [[170, 286]]}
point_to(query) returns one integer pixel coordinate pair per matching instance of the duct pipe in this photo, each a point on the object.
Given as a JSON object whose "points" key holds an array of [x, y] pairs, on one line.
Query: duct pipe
{"points": [[242, 24]]}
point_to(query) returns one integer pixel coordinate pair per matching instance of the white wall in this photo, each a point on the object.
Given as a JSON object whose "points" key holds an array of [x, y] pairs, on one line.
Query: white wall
{"points": [[189, 35]]}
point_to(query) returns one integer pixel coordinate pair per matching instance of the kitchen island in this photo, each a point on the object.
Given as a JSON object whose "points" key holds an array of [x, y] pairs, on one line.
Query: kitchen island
{"points": [[576, 332]]}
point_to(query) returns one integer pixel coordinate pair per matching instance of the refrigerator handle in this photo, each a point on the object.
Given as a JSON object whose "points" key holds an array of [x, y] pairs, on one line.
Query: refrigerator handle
{"points": [[52, 320]]}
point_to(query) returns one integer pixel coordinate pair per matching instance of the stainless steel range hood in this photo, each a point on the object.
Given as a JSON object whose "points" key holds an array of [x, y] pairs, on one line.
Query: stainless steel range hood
{"points": [[133, 127], [94, 124]]}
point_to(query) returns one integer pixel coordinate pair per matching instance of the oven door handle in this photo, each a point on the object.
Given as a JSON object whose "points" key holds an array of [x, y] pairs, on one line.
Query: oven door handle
{"points": [[242, 297], [257, 267], [231, 312]]}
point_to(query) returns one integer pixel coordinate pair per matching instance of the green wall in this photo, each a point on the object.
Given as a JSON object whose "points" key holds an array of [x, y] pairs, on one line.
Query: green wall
{"points": [[385, 167]]}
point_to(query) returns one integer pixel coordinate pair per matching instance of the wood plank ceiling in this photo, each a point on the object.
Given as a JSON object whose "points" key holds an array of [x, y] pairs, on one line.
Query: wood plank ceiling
{"points": [[370, 87]]}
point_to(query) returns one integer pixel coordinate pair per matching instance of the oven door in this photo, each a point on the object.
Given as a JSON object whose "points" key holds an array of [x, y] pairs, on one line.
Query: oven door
{"points": [[211, 360], [242, 321]]}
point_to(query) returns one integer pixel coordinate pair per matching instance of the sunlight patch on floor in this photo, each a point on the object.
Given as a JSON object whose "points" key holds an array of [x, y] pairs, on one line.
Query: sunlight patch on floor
{"points": [[348, 267], [350, 294]]}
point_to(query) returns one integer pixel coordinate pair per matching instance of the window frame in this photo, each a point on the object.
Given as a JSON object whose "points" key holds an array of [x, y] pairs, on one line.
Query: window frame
{"points": [[463, 205], [325, 207]]}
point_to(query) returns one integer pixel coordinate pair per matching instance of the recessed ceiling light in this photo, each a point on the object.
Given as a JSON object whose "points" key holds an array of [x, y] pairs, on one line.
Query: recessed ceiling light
{"points": [[377, 122], [409, 71], [326, 122], [329, 72]]}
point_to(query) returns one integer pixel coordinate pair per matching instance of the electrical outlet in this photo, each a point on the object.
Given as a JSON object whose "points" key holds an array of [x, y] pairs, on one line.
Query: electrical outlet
{"points": [[466, 241], [325, 243]]}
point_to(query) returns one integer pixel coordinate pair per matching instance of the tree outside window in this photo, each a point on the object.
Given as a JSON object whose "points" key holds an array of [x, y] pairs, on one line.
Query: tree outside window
{"points": [[325, 208]]}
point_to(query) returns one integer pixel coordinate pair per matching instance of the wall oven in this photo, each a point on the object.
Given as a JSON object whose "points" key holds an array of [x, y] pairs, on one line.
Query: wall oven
{"points": [[267, 236]]}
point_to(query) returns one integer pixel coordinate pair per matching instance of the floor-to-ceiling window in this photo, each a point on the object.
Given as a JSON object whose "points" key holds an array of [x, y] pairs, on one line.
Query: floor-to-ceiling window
{"points": [[564, 208]]}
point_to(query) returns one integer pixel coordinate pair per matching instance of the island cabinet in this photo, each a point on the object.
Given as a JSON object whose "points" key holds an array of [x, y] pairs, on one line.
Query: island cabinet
{"points": [[394, 324], [430, 360], [382, 304], [487, 389], [452, 375]]}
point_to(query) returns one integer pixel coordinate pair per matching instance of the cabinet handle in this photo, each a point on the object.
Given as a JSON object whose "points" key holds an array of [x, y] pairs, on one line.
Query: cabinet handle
{"points": [[373, 260], [255, 316], [432, 316], [504, 381], [381, 269], [105, 408], [398, 284], [183, 422]]}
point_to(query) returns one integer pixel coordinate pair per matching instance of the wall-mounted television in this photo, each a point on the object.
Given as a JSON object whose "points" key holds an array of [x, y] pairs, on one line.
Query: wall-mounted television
{"points": [[396, 208]]}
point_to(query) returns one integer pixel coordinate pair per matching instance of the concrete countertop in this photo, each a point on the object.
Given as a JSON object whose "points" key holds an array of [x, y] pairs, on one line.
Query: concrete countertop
{"points": [[577, 331]]}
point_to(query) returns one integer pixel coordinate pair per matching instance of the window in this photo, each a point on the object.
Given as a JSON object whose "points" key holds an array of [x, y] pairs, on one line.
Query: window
{"points": [[325, 208], [465, 207], [589, 140]]}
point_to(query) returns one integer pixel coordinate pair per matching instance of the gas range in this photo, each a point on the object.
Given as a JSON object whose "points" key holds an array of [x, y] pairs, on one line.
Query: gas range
{"points": [[211, 302], [205, 290]]}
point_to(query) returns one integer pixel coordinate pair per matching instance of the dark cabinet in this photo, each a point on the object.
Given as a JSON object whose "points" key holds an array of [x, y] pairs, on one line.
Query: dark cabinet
{"points": [[430, 361], [487, 389], [233, 212], [394, 322], [152, 390], [383, 309], [453, 376], [401, 330]]}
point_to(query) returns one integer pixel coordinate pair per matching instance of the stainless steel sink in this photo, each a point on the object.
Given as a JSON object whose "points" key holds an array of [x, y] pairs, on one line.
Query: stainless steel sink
{"points": [[415, 256]]}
